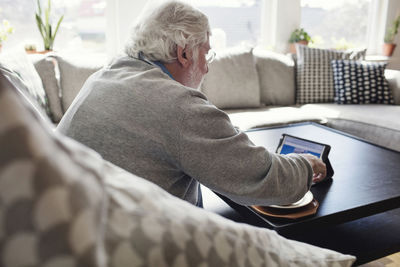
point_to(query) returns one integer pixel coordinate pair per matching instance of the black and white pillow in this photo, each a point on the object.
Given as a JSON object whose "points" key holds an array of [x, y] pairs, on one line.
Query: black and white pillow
{"points": [[358, 82], [314, 74]]}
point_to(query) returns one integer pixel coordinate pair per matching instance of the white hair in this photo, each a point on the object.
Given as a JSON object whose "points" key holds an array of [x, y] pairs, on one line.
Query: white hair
{"points": [[158, 33]]}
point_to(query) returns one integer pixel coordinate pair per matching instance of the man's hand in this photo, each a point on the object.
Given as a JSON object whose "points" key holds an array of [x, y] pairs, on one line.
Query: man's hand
{"points": [[318, 166]]}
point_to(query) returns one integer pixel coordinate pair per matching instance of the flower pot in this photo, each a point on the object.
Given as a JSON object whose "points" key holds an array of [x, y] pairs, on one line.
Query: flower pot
{"points": [[31, 51], [387, 49], [38, 52], [293, 47], [44, 51]]}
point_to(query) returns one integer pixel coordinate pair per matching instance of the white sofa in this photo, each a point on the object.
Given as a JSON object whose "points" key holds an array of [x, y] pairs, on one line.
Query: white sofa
{"points": [[61, 204], [256, 88]]}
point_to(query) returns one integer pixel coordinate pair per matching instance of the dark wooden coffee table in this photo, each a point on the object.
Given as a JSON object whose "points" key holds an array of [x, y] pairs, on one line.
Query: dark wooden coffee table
{"points": [[366, 182]]}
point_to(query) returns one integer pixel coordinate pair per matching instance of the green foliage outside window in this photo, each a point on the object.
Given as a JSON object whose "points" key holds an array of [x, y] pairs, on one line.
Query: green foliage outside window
{"points": [[392, 31], [5, 30]]}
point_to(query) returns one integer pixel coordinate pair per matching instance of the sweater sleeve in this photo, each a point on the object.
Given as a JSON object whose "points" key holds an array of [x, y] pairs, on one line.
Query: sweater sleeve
{"points": [[221, 157]]}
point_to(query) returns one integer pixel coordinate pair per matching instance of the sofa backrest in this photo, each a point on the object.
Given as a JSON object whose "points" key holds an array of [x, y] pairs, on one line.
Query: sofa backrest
{"points": [[232, 80], [245, 78], [46, 67], [276, 74], [16, 63], [393, 78], [237, 79], [74, 71]]}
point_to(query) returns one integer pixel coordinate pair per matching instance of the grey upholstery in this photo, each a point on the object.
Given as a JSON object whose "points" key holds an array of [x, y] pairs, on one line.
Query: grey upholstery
{"points": [[73, 73], [256, 89], [276, 76]]}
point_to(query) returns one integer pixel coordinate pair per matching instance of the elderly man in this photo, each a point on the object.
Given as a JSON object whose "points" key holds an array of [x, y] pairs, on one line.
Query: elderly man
{"points": [[143, 113]]}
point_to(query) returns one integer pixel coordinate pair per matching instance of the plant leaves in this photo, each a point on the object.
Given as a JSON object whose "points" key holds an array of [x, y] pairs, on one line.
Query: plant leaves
{"points": [[39, 7], [58, 25], [39, 23], [45, 27]]}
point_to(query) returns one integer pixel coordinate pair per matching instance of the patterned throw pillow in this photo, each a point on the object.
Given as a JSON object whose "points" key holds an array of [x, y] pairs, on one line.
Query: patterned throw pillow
{"points": [[146, 226], [314, 73], [51, 199], [62, 205], [359, 82]]}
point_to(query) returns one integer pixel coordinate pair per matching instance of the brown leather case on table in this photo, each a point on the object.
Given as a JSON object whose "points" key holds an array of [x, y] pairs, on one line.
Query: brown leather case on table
{"points": [[295, 213]]}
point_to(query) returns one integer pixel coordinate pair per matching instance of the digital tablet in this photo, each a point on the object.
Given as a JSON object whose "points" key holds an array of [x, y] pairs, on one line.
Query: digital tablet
{"points": [[292, 144]]}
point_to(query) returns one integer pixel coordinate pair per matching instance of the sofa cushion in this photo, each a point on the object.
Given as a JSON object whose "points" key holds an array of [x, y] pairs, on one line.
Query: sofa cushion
{"points": [[358, 82], [232, 80], [15, 79], [74, 71], [48, 71], [373, 122], [246, 119], [68, 207], [393, 78], [314, 73], [381, 136], [276, 74], [385, 116], [18, 62], [51, 202]]}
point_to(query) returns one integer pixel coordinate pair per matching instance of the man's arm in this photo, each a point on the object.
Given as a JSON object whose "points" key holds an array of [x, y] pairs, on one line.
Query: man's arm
{"points": [[219, 156]]}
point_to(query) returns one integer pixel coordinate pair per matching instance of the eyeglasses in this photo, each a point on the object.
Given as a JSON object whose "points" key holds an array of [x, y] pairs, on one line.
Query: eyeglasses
{"points": [[210, 56]]}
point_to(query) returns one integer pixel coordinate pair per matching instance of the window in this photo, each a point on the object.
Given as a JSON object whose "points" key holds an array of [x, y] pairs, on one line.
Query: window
{"points": [[83, 26], [339, 24], [233, 22], [331, 23]]}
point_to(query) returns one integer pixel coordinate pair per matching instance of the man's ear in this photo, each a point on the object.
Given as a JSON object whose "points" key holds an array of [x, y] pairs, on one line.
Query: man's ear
{"points": [[184, 56]]}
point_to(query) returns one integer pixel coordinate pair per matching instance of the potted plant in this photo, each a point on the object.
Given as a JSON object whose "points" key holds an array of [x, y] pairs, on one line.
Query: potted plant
{"points": [[5, 30], [45, 27], [299, 36], [30, 48], [389, 45]]}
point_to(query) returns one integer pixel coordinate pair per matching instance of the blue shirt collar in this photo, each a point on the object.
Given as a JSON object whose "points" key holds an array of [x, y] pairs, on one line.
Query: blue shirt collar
{"points": [[157, 63], [163, 68]]}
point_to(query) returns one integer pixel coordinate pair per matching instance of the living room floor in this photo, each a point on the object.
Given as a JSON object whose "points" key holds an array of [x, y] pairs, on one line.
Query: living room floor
{"points": [[388, 261]]}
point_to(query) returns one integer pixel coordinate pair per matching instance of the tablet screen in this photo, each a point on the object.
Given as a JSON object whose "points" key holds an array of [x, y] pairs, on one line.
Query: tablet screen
{"points": [[295, 145]]}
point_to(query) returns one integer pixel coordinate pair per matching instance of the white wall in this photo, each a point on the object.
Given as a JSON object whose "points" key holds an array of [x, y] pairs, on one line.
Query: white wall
{"points": [[279, 19]]}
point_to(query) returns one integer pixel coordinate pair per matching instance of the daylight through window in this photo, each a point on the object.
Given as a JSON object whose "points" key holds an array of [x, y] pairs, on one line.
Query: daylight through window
{"points": [[83, 26], [233, 22], [339, 24]]}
